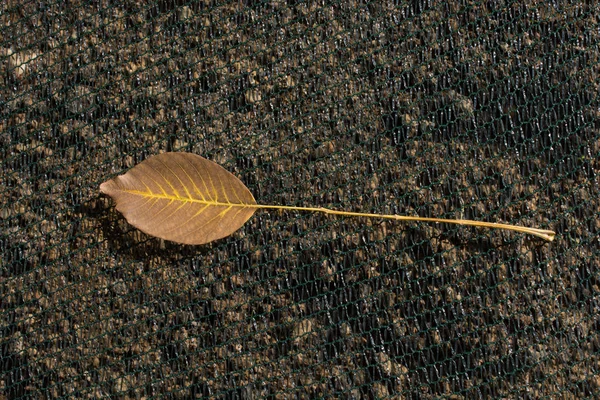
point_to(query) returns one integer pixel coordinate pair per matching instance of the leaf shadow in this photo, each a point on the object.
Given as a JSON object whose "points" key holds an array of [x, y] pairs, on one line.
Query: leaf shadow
{"points": [[130, 242]]}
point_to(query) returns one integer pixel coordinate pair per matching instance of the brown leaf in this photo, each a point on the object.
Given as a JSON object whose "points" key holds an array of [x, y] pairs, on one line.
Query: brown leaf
{"points": [[188, 199], [182, 197]]}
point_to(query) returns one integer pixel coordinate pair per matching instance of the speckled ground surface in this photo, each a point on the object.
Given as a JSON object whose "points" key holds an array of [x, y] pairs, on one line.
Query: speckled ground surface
{"points": [[479, 110]]}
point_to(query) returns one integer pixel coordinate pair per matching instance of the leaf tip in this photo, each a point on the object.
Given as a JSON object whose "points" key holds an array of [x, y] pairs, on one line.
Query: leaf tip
{"points": [[105, 187], [110, 188]]}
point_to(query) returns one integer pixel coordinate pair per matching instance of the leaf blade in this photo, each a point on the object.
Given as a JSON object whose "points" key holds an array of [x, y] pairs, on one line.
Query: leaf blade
{"points": [[175, 196]]}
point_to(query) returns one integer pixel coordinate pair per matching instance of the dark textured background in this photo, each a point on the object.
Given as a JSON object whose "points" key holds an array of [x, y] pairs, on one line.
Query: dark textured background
{"points": [[482, 110]]}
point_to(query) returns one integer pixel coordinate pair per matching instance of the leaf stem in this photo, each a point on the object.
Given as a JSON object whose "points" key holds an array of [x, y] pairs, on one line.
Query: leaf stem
{"points": [[542, 233]]}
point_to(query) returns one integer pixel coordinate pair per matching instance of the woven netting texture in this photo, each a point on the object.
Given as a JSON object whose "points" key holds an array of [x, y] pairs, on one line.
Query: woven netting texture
{"points": [[484, 110]]}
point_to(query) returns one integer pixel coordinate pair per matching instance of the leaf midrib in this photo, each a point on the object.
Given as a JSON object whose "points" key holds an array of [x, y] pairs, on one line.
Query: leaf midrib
{"points": [[172, 198]]}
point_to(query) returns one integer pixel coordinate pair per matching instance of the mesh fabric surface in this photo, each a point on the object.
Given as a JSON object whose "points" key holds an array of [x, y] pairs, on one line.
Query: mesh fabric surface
{"points": [[481, 110]]}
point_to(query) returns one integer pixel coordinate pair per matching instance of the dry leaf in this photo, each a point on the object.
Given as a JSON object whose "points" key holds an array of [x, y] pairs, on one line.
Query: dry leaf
{"points": [[182, 197], [188, 199]]}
